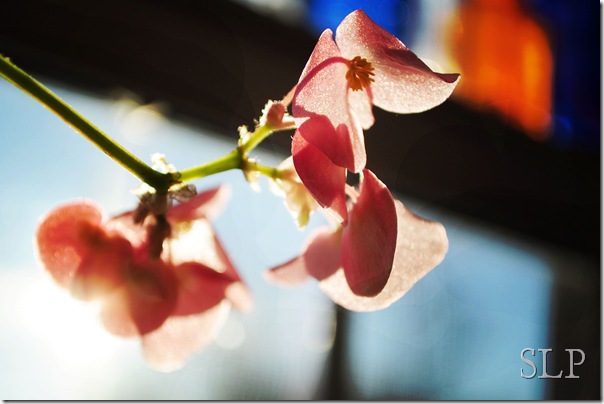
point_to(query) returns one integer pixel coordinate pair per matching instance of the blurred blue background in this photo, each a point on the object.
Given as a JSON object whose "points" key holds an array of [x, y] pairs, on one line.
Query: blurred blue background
{"points": [[457, 335]]}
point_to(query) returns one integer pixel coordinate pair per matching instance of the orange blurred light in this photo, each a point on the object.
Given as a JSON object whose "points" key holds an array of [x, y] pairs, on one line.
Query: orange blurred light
{"points": [[505, 61]]}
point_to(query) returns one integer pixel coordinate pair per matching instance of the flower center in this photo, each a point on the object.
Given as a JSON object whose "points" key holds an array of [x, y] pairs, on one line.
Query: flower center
{"points": [[359, 70]]}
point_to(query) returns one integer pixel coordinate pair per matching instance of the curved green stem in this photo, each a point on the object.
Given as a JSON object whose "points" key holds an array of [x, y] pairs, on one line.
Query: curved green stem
{"points": [[160, 181], [237, 158], [267, 171], [234, 160], [227, 162], [261, 133]]}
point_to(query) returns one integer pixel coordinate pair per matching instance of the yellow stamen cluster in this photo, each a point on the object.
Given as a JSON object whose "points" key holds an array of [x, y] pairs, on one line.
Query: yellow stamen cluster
{"points": [[359, 70]]}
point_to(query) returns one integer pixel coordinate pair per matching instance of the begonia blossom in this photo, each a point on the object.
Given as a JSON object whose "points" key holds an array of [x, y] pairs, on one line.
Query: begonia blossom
{"points": [[375, 259], [160, 273], [332, 103], [364, 66], [162, 277]]}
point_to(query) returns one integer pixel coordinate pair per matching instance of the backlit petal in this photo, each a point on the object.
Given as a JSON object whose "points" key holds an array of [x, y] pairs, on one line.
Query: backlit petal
{"points": [[369, 239], [323, 254], [403, 83], [101, 270], [323, 179], [421, 245], [208, 204], [167, 348], [361, 104], [200, 288], [321, 101], [197, 242], [59, 242], [146, 299], [290, 273], [320, 258]]}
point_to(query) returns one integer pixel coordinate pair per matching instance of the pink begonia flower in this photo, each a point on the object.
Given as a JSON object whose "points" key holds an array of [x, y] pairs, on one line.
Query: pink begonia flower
{"points": [[164, 278], [333, 100], [374, 260], [364, 66]]}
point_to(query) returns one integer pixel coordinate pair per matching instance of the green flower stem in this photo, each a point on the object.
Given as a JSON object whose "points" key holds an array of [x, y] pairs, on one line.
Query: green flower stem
{"points": [[227, 162], [270, 172], [261, 133], [160, 181], [236, 159]]}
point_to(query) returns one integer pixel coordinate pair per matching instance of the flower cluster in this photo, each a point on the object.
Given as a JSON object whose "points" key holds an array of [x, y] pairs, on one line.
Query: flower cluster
{"points": [[162, 276], [378, 249]]}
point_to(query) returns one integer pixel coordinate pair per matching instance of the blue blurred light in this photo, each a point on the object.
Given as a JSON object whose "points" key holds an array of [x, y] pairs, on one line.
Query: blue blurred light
{"points": [[574, 29], [395, 16]]}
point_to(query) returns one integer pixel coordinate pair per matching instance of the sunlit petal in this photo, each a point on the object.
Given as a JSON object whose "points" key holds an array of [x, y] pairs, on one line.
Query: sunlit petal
{"points": [[168, 348], [320, 258], [59, 242], [200, 288], [290, 273], [323, 179], [403, 83], [208, 204], [369, 240], [146, 299], [420, 246], [321, 103]]}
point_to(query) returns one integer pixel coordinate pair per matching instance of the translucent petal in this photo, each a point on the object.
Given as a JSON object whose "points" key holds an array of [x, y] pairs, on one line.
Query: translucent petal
{"points": [[167, 348], [200, 288], [290, 273], [421, 245], [361, 104], [320, 258], [208, 204], [321, 101], [369, 239], [323, 179], [101, 270], [59, 243], [147, 297], [403, 83]]}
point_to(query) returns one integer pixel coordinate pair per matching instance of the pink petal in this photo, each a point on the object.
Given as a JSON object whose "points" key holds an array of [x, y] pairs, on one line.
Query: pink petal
{"points": [[421, 245], [200, 288], [320, 258], [115, 315], [59, 241], [403, 83], [239, 296], [323, 179], [124, 225], [208, 204], [167, 348], [361, 104], [148, 296], [229, 267], [101, 270], [321, 101], [198, 243], [290, 273], [323, 254], [369, 240]]}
